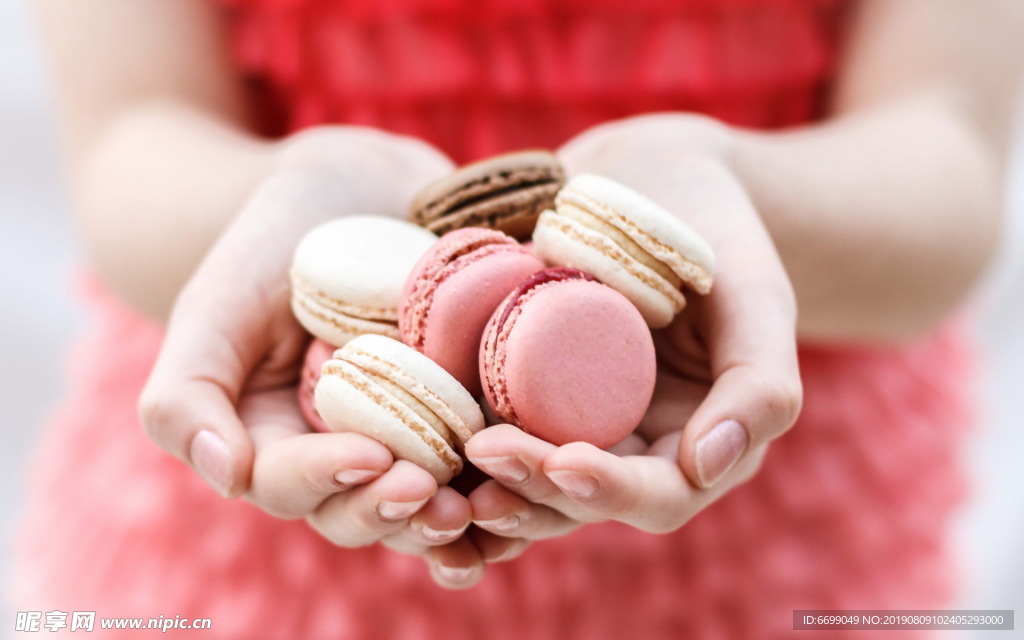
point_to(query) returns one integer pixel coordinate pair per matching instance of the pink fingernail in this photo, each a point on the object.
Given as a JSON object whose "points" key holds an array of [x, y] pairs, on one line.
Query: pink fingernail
{"points": [[392, 511], [350, 477], [503, 525], [435, 535], [508, 468], [720, 449], [212, 460], [575, 484]]}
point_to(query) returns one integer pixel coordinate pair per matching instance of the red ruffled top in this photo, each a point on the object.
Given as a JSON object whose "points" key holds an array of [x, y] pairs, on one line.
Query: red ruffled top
{"points": [[477, 77]]}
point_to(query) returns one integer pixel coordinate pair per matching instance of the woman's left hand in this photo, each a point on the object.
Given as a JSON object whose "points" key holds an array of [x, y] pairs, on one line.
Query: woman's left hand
{"points": [[728, 381]]}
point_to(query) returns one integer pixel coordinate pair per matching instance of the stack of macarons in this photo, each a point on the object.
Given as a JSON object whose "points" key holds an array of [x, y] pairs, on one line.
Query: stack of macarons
{"points": [[411, 329]]}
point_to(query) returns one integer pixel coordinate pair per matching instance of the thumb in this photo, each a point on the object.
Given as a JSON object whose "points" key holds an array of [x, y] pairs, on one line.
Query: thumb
{"points": [[231, 319], [749, 325]]}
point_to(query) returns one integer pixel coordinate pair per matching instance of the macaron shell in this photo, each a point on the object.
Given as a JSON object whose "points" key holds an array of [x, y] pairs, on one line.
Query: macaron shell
{"points": [[653, 227], [514, 213], [435, 265], [351, 402], [505, 192], [563, 241], [578, 364], [317, 354], [463, 302], [362, 260], [337, 328], [438, 382], [347, 275]]}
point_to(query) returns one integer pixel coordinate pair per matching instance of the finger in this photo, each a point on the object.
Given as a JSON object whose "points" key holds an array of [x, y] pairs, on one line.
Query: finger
{"points": [[516, 460], [195, 420], [370, 512], [675, 399], [632, 445], [294, 475], [456, 565], [231, 329], [749, 322], [646, 492], [500, 512], [494, 548], [443, 519]]}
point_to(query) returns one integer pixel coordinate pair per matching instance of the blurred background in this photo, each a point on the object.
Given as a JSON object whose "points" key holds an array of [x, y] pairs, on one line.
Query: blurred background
{"points": [[41, 316]]}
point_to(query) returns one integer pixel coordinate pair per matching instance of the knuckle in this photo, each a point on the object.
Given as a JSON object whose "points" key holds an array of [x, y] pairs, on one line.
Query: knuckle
{"points": [[782, 398], [161, 413], [270, 494], [790, 399]]}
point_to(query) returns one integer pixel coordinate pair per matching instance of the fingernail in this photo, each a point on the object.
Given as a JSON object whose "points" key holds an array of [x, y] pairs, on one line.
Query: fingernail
{"points": [[455, 574], [399, 510], [575, 484], [350, 477], [506, 523], [719, 449], [212, 459], [508, 468], [434, 535]]}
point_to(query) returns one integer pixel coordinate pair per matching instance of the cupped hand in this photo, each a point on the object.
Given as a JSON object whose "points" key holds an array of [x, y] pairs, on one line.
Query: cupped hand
{"points": [[222, 395], [728, 381]]}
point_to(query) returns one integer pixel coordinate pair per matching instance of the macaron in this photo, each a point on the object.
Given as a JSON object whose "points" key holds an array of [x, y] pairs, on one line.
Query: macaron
{"points": [[566, 359], [347, 276], [452, 292], [628, 242], [506, 193], [394, 394], [317, 354]]}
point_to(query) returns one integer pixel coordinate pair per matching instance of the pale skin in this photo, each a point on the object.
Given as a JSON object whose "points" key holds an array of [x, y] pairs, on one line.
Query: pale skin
{"points": [[872, 224]]}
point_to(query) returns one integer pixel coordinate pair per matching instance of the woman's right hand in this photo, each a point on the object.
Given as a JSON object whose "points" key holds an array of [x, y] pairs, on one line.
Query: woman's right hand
{"points": [[222, 395]]}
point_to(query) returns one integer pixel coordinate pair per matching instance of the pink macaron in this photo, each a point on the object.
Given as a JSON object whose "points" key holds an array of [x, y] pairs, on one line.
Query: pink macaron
{"points": [[317, 354], [568, 359], [452, 292]]}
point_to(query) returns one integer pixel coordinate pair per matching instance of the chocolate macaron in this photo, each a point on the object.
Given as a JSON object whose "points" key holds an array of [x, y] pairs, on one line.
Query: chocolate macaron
{"points": [[506, 192]]}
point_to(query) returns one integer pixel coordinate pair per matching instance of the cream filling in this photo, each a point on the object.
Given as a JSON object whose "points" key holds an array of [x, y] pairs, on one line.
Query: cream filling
{"points": [[601, 244], [442, 418], [318, 298], [410, 401], [627, 244], [693, 274], [358, 380]]}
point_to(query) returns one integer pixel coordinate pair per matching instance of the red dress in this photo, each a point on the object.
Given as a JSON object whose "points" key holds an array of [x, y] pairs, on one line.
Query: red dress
{"points": [[851, 509]]}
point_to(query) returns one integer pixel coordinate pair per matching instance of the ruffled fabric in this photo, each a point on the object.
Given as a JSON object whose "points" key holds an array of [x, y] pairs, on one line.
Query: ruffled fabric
{"points": [[849, 511], [480, 77]]}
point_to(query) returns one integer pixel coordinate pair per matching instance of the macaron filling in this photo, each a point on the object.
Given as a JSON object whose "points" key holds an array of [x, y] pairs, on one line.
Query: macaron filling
{"points": [[536, 181], [687, 271], [350, 318], [624, 242], [417, 407], [411, 415], [497, 341], [450, 421]]}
